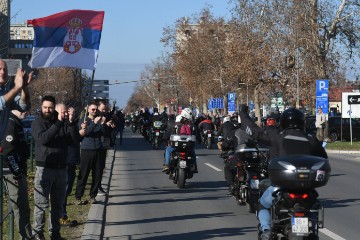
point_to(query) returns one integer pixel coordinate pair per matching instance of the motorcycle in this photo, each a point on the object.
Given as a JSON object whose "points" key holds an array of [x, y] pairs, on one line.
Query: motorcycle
{"points": [[133, 126], [296, 212], [156, 135], [249, 174], [208, 138], [182, 165]]}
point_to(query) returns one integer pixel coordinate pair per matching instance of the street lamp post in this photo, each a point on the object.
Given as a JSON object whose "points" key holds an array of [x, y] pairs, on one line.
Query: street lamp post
{"points": [[297, 80]]}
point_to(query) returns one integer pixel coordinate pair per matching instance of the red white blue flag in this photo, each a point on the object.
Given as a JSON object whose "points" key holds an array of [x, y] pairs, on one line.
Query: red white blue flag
{"points": [[67, 39]]}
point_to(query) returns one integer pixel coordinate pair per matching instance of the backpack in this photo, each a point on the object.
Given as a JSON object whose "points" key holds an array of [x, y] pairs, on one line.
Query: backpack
{"points": [[185, 129]]}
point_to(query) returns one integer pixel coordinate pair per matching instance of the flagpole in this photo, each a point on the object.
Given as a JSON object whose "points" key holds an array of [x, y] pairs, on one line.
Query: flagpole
{"points": [[89, 97]]}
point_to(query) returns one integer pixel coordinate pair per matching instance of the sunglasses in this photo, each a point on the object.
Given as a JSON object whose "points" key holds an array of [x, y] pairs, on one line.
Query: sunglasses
{"points": [[94, 109]]}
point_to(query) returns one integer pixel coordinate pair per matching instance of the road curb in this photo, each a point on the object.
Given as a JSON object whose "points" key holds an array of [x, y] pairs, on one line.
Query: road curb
{"points": [[343, 151], [94, 225]]}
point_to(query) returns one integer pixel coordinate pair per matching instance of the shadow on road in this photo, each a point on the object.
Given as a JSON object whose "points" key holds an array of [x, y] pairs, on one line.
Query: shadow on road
{"points": [[199, 235]]}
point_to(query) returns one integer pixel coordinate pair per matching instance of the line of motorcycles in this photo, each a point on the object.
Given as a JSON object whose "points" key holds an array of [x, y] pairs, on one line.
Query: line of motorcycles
{"points": [[151, 132], [296, 211]]}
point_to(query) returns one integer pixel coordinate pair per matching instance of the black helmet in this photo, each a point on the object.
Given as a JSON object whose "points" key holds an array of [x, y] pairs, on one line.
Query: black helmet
{"points": [[292, 118]]}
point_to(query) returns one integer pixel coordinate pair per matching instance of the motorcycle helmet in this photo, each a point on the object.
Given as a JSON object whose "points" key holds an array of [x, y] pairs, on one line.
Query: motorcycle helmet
{"points": [[226, 119], [186, 113], [270, 122], [178, 118], [292, 118]]}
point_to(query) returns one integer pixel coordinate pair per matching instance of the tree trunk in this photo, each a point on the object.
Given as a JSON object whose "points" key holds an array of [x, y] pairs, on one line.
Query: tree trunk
{"points": [[257, 105]]}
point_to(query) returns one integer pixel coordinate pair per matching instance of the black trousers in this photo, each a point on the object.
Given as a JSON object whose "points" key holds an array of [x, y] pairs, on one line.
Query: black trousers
{"points": [[230, 171], [90, 161], [102, 160]]}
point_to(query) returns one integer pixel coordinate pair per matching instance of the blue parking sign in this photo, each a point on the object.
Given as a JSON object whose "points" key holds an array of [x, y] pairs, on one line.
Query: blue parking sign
{"points": [[231, 97], [322, 95]]}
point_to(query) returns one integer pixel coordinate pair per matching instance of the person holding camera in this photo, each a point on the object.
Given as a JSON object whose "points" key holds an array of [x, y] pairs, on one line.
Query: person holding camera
{"points": [[52, 134], [320, 124], [91, 150]]}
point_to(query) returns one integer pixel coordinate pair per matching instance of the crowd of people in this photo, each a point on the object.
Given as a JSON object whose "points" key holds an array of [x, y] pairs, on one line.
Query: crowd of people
{"points": [[65, 138]]}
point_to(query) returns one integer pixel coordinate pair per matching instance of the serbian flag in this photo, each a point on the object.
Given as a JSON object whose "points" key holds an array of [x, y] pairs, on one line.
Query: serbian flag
{"points": [[67, 39]]}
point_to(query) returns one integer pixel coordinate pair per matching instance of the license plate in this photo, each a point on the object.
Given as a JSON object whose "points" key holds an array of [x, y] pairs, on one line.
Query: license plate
{"points": [[209, 135], [182, 164], [157, 133], [300, 225], [254, 183]]}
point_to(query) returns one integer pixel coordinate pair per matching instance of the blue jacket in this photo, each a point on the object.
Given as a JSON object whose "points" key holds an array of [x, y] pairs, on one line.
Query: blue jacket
{"points": [[93, 133]]}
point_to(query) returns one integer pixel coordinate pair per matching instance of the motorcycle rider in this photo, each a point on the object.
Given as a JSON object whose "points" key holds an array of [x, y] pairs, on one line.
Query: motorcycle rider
{"points": [[289, 139], [206, 124], [184, 119], [198, 120], [234, 139], [226, 127]]}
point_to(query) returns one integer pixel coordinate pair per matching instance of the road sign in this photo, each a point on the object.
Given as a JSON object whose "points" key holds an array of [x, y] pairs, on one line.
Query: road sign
{"points": [[322, 95], [217, 103], [231, 107], [354, 99], [231, 102], [231, 97], [346, 106]]}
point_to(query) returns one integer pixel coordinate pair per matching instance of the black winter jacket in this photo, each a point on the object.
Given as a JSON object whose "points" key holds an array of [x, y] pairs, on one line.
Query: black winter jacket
{"points": [[283, 142], [52, 138], [225, 129], [14, 142]]}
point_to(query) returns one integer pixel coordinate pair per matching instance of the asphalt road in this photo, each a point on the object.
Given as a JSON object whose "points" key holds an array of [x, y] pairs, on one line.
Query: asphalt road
{"points": [[145, 204]]}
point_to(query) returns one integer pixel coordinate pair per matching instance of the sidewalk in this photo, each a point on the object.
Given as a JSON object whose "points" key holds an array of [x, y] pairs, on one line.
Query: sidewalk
{"points": [[94, 226]]}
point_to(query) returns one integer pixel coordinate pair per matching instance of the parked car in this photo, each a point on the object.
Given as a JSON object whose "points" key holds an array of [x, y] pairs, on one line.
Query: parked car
{"points": [[341, 127], [337, 127]]}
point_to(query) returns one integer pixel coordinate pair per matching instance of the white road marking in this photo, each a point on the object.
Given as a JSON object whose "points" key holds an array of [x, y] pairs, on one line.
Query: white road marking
{"points": [[329, 233], [213, 167]]}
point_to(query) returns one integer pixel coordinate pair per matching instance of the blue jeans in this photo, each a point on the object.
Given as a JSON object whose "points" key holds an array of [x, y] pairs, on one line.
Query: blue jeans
{"points": [[170, 149], [266, 201]]}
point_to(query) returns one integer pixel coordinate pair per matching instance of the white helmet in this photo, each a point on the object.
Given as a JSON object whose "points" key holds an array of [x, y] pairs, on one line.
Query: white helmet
{"points": [[178, 118], [186, 113], [226, 119]]}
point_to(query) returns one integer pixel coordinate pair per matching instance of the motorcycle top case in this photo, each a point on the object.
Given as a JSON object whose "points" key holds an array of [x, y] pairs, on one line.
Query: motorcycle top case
{"points": [[243, 151], [299, 172], [182, 142]]}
